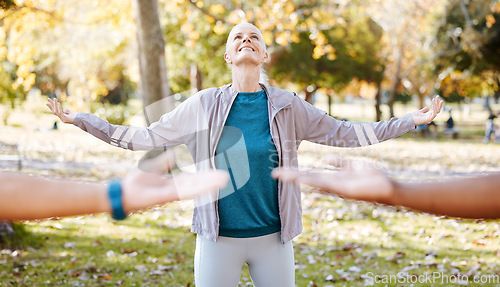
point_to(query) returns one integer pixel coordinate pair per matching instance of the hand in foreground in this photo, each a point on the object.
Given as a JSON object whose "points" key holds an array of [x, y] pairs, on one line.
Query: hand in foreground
{"points": [[426, 115], [142, 189], [65, 115], [356, 180]]}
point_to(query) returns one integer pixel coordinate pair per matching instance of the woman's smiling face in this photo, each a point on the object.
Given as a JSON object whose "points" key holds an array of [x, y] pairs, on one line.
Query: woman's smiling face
{"points": [[245, 45]]}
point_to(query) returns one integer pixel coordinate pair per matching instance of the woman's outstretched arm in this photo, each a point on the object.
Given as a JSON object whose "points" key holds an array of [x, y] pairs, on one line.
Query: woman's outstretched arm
{"points": [[315, 125], [173, 128]]}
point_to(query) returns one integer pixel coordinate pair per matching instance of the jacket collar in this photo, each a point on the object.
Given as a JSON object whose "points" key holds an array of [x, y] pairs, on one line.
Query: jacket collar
{"points": [[277, 97]]}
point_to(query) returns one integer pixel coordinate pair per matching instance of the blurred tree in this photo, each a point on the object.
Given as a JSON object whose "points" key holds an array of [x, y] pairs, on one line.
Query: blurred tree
{"points": [[408, 31], [202, 27], [154, 83], [468, 49], [8, 95], [7, 4], [77, 48], [355, 44]]}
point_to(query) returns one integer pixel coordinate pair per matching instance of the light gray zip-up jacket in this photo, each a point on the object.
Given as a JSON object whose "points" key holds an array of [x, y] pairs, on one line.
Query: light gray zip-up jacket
{"points": [[198, 123]]}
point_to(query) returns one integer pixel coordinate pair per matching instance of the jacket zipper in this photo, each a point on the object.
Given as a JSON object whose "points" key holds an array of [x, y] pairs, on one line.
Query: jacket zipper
{"points": [[278, 149], [213, 155]]}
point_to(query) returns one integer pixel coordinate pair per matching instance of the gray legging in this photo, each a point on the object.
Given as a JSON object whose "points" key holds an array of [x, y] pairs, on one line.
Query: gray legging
{"points": [[218, 264]]}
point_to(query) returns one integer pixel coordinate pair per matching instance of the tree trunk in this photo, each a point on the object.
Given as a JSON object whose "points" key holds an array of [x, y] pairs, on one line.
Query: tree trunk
{"points": [[154, 88], [420, 100], [330, 102], [395, 84], [378, 102]]}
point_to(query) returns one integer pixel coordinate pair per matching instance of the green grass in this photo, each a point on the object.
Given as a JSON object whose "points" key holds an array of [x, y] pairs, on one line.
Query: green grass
{"points": [[341, 243], [94, 250]]}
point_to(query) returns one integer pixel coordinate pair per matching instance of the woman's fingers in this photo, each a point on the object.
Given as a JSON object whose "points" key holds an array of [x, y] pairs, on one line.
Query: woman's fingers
{"points": [[424, 110], [56, 108], [59, 108], [50, 104], [437, 105]]}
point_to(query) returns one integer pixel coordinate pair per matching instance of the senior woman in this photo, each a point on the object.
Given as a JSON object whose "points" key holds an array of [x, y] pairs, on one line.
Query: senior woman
{"points": [[246, 128]]}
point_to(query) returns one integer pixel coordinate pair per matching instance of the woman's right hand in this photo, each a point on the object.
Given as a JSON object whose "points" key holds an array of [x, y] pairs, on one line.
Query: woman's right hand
{"points": [[65, 115]]}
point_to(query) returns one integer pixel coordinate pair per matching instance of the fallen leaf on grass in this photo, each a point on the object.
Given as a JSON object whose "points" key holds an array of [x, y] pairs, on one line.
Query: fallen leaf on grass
{"points": [[491, 235], [180, 258], [105, 276], [128, 251], [74, 273], [396, 256], [479, 242]]}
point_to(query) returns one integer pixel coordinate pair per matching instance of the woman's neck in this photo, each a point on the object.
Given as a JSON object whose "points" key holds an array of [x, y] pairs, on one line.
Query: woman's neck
{"points": [[246, 79]]}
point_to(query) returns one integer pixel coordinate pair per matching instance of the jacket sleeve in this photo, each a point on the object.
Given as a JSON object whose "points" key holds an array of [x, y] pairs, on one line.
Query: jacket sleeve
{"points": [[317, 126], [161, 134]]}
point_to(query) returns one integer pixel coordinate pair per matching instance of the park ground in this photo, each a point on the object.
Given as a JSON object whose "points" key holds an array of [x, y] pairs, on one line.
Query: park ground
{"points": [[344, 243]]}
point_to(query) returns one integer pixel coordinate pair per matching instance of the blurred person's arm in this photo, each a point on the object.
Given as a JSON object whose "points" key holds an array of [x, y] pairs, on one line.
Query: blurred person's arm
{"points": [[26, 197], [476, 197]]}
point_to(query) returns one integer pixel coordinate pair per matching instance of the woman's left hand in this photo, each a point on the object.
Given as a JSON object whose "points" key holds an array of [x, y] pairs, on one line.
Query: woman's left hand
{"points": [[426, 115]]}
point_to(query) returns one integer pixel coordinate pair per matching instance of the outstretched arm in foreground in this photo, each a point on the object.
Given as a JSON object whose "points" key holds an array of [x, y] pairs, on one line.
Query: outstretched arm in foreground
{"points": [[475, 197], [26, 197]]}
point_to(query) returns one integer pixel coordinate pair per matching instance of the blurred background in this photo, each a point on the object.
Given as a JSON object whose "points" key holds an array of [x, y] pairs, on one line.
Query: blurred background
{"points": [[362, 60], [379, 53]]}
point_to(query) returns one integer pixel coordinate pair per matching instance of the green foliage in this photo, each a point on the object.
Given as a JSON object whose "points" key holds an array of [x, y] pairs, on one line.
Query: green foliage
{"points": [[7, 4], [403, 97], [356, 56], [21, 238], [470, 45], [8, 95], [454, 97]]}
